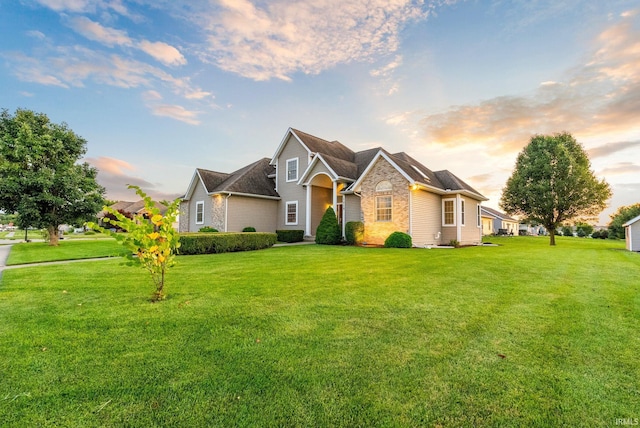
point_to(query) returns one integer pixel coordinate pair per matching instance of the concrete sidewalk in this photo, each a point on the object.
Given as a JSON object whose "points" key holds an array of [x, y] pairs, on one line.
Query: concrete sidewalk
{"points": [[4, 255]]}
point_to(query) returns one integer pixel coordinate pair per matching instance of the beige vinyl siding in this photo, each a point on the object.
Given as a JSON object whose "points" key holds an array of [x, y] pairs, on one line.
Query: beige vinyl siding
{"points": [[352, 208], [244, 212], [487, 225], [291, 191], [426, 213], [471, 234], [448, 234]]}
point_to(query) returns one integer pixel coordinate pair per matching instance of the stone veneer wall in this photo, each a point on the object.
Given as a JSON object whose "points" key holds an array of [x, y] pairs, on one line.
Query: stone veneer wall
{"points": [[183, 225], [375, 232], [217, 212]]}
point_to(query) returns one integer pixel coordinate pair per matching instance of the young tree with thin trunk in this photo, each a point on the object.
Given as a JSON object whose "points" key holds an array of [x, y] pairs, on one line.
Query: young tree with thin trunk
{"points": [[553, 183], [150, 237], [40, 175]]}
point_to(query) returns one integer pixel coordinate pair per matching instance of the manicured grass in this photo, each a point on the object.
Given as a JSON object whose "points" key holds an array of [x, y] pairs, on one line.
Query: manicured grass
{"points": [[35, 252], [516, 335]]}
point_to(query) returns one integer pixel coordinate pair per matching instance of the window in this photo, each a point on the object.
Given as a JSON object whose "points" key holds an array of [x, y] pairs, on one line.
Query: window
{"points": [[448, 212], [292, 169], [479, 224], [462, 212], [384, 201], [292, 213], [383, 208], [384, 186], [200, 212]]}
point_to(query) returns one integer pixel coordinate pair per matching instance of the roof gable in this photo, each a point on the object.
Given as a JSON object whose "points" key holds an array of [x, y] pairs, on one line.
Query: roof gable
{"points": [[630, 222], [338, 168], [313, 144], [252, 179], [381, 154]]}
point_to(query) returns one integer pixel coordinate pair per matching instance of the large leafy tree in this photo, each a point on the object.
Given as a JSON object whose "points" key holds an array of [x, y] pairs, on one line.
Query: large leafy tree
{"points": [[40, 176], [623, 215], [553, 182]]}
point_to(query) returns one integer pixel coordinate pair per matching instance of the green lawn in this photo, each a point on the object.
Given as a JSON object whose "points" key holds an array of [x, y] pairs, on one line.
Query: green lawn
{"points": [[35, 252], [517, 335]]}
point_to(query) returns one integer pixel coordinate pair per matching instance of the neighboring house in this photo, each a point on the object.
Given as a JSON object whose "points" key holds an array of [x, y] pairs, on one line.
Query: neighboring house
{"points": [[530, 229], [496, 223], [133, 207], [306, 175], [632, 234]]}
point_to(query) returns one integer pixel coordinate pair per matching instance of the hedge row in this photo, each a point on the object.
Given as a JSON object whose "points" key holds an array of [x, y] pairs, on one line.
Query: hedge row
{"points": [[223, 242], [290, 235]]}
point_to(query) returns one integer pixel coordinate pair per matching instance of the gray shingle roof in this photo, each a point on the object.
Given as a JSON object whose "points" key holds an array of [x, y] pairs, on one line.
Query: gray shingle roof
{"points": [[331, 148], [343, 168], [251, 179], [497, 214]]}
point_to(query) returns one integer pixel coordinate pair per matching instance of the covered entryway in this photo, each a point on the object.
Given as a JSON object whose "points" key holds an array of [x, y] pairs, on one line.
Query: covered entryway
{"points": [[320, 194]]}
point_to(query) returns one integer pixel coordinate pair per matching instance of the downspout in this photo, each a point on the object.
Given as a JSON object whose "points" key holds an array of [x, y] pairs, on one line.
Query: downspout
{"points": [[459, 218], [226, 212], [411, 211], [335, 196], [344, 214]]}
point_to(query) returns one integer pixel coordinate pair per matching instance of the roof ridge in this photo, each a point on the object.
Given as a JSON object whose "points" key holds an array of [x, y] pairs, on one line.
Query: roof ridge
{"points": [[239, 173]]}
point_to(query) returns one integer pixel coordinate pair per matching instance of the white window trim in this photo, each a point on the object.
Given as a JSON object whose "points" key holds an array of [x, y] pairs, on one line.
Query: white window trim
{"points": [[287, 170], [200, 204], [454, 212], [377, 209], [479, 213], [462, 212], [286, 213]]}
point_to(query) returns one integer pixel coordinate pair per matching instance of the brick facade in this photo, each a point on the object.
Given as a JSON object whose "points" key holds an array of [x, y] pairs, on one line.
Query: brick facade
{"points": [[375, 232]]}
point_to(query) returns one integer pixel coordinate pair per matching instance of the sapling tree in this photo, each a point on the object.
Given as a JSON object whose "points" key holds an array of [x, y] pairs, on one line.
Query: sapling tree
{"points": [[149, 236]]}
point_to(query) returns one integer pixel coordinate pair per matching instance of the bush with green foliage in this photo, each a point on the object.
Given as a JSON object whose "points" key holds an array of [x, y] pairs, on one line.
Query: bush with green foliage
{"points": [[328, 231], [354, 232], [583, 229], [249, 229], [207, 229], [398, 240], [600, 234], [566, 231], [623, 215], [224, 242], [454, 243], [290, 235]]}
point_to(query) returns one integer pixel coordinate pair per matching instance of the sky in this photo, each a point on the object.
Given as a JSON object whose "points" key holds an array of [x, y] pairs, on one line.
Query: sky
{"points": [[161, 87]]}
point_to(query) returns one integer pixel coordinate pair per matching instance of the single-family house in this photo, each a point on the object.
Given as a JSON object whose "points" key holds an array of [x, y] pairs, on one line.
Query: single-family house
{"points": [[306, 175], [632, 234], [496, 223], [129, 207]]}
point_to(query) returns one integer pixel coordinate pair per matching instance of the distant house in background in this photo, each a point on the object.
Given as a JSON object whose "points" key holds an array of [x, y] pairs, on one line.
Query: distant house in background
{"points": [[133, 207], [496, 223], [306, 175], [632, 234], [531, 229]]}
